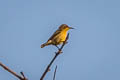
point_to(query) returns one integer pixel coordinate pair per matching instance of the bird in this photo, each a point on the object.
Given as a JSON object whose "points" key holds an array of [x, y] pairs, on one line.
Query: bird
{"points": [[58, 36]]}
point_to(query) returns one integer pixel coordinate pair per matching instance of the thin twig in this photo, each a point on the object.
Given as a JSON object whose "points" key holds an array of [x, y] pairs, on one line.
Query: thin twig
{"points": [[23, 75], [56, 55], [12, 72], [55, 72]]}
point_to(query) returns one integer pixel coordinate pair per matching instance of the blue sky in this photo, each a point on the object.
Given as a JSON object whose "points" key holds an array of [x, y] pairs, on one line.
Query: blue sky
{"points": [[93, 49]]}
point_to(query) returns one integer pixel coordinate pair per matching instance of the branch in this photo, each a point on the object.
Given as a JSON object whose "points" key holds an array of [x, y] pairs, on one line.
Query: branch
{"points": [[56, 55], [13, 73], [55, 72]]}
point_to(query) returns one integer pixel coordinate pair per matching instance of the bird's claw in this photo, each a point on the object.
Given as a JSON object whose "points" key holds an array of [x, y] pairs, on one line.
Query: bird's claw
{"points": [[59, 52]]}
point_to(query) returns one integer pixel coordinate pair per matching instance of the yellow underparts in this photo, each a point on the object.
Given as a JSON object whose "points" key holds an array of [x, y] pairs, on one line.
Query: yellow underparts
{"points": [[60, 38]]}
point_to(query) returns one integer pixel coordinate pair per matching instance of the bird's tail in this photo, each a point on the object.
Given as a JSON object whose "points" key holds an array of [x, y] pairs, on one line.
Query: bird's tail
{"points": [[46, 44], [43, 45]]}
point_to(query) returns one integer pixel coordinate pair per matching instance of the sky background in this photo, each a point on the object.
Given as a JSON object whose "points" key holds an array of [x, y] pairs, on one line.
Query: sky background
{"points": [[93, 49]]}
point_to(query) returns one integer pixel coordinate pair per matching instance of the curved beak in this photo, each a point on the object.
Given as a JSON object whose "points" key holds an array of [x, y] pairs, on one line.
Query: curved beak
{"points": [[71, 28]]}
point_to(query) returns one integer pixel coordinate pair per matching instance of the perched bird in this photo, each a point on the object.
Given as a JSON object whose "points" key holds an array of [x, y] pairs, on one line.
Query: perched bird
{"points": [[58, 37]]}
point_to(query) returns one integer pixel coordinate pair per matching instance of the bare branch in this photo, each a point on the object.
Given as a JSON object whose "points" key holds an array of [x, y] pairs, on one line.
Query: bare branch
{"points": [[12, 72], [55, 72], [24, 78], [56, 55]]}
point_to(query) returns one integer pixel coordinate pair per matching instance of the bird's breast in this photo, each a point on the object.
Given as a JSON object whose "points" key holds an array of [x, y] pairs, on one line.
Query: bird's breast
{"points": [[63, 36], [60, 37]]}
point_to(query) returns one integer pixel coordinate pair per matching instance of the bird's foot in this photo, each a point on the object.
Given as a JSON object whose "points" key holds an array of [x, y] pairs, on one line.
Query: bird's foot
{"points": [[58, 52]]}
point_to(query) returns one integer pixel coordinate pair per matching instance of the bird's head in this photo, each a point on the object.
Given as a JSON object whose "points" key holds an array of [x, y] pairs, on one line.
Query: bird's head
{"points": [[65, 27]]}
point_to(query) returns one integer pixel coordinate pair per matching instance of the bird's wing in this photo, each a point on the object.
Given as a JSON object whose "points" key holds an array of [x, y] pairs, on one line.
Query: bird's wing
{"points": [[55, 33]]}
